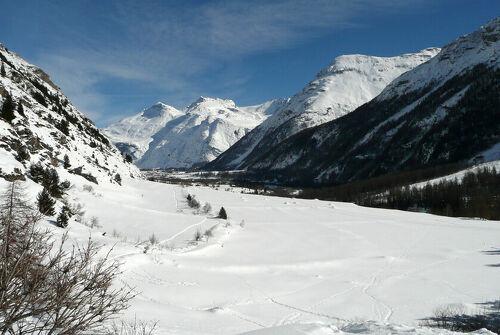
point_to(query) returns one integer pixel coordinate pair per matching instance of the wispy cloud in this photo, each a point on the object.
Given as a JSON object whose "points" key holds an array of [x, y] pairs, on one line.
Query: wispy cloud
{"points": [[170, 45]]}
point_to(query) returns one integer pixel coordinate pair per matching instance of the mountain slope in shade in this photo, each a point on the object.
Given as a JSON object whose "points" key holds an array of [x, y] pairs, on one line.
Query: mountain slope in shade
{"points": [[350, 81], [48, 127], [133, 134], [443, 111], [204, 130]]}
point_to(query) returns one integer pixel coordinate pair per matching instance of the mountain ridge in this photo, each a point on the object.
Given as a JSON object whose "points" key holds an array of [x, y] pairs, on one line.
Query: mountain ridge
{"points": [[442, 111], [348, 82]]}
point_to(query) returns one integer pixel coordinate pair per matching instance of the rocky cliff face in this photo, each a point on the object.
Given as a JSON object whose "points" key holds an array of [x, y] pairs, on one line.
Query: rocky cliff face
{"points": [[38, 124]]}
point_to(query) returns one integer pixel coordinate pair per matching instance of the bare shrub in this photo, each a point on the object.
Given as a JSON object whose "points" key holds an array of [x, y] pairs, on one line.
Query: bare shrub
{"points": [[132, 328], [153, 239], [198, 235], [209, 233], [94, 222], [193, 202], [457, 318], [207, 208], [88, 188], [45, 288]]}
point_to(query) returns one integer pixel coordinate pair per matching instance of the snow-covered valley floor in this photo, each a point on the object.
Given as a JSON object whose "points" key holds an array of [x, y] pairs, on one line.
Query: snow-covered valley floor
{"points": [[286, 266]]}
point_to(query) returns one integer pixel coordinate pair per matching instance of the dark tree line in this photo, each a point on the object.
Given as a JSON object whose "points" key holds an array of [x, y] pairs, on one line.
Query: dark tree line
{"points": [[476, 195]]}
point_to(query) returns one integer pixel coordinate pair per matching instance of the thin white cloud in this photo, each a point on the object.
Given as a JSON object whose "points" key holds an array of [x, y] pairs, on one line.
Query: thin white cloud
{"points": [[170, 46]]}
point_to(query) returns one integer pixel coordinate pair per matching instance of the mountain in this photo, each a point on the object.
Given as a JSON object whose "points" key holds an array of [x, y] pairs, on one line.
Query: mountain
{"points": [[38, 124], [445, 110], [133, 134], [347, 83], [162, 137]]}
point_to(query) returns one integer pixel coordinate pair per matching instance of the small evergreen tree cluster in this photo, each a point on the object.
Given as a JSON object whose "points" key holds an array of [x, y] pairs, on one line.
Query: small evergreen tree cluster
{"points": [[63, 127], [128, 158], [45, 203], [7, 111], [49, 179]]}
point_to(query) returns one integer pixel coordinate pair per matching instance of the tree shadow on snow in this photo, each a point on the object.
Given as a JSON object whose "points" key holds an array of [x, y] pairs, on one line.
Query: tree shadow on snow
{"points": [[456, 319]]}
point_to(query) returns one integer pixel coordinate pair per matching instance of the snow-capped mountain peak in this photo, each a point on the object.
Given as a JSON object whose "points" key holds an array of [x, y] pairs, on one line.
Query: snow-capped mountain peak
{"points": [[347, 83], [161, 136], [478, 47], [133, 134], [442, 111]]}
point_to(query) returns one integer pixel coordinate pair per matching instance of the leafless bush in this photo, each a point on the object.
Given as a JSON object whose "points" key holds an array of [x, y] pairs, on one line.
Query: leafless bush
{"points": [[193, 202], [45, 288], [88, 188], [94, 222], [198, 235], [207, 208], [209, 233], [132, 328], [457, 318], [153, 239]]}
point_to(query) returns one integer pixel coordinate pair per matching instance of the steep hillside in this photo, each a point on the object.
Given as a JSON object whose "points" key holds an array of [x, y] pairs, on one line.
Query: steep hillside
{"points": [[443, 111], [133, 134], [350, 81], [39, 124], [197, 135]]}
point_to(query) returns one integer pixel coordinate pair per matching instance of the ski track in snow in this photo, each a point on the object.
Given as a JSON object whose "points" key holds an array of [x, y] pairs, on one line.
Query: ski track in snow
{"points": [[294, 261]]}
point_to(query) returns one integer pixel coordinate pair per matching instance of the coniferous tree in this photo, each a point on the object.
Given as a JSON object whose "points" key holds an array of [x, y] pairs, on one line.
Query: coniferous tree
{"points": [[128, 158], [62, 219], [45, 203], [7, 112], [222, 213], [66, 163], [20, 109], [118, 179]]}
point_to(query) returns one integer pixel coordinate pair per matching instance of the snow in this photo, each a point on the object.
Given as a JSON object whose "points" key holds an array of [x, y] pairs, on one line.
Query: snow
{"points": [[204, 130], [138, 130], [494, 164], [479, 47], [293, 266], [347, 83], [37, 130]]}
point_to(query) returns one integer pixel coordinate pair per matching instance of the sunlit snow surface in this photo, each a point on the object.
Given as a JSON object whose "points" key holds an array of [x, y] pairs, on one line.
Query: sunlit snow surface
{"points": [[294, 266]]}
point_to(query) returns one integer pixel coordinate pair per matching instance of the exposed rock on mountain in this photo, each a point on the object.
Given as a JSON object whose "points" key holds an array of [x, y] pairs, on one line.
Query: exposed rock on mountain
{"points": [[445, 110], [346, 84], [38, 124]]}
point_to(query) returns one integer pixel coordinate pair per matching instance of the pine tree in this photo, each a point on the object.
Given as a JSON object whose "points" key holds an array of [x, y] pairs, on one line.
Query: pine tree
{"points": [[66, 163], [222, 214], [118, 179], [128, 158], [45, 203], [7, 112], [20, 109], [62, 219]]}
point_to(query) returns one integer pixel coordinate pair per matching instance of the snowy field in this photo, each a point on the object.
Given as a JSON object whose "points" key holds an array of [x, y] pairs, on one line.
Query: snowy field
{"points": [[285, 266]]}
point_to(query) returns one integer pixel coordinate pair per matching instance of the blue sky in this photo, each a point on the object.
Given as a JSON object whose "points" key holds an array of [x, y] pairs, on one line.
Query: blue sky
{"points": [[113, 58]]}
